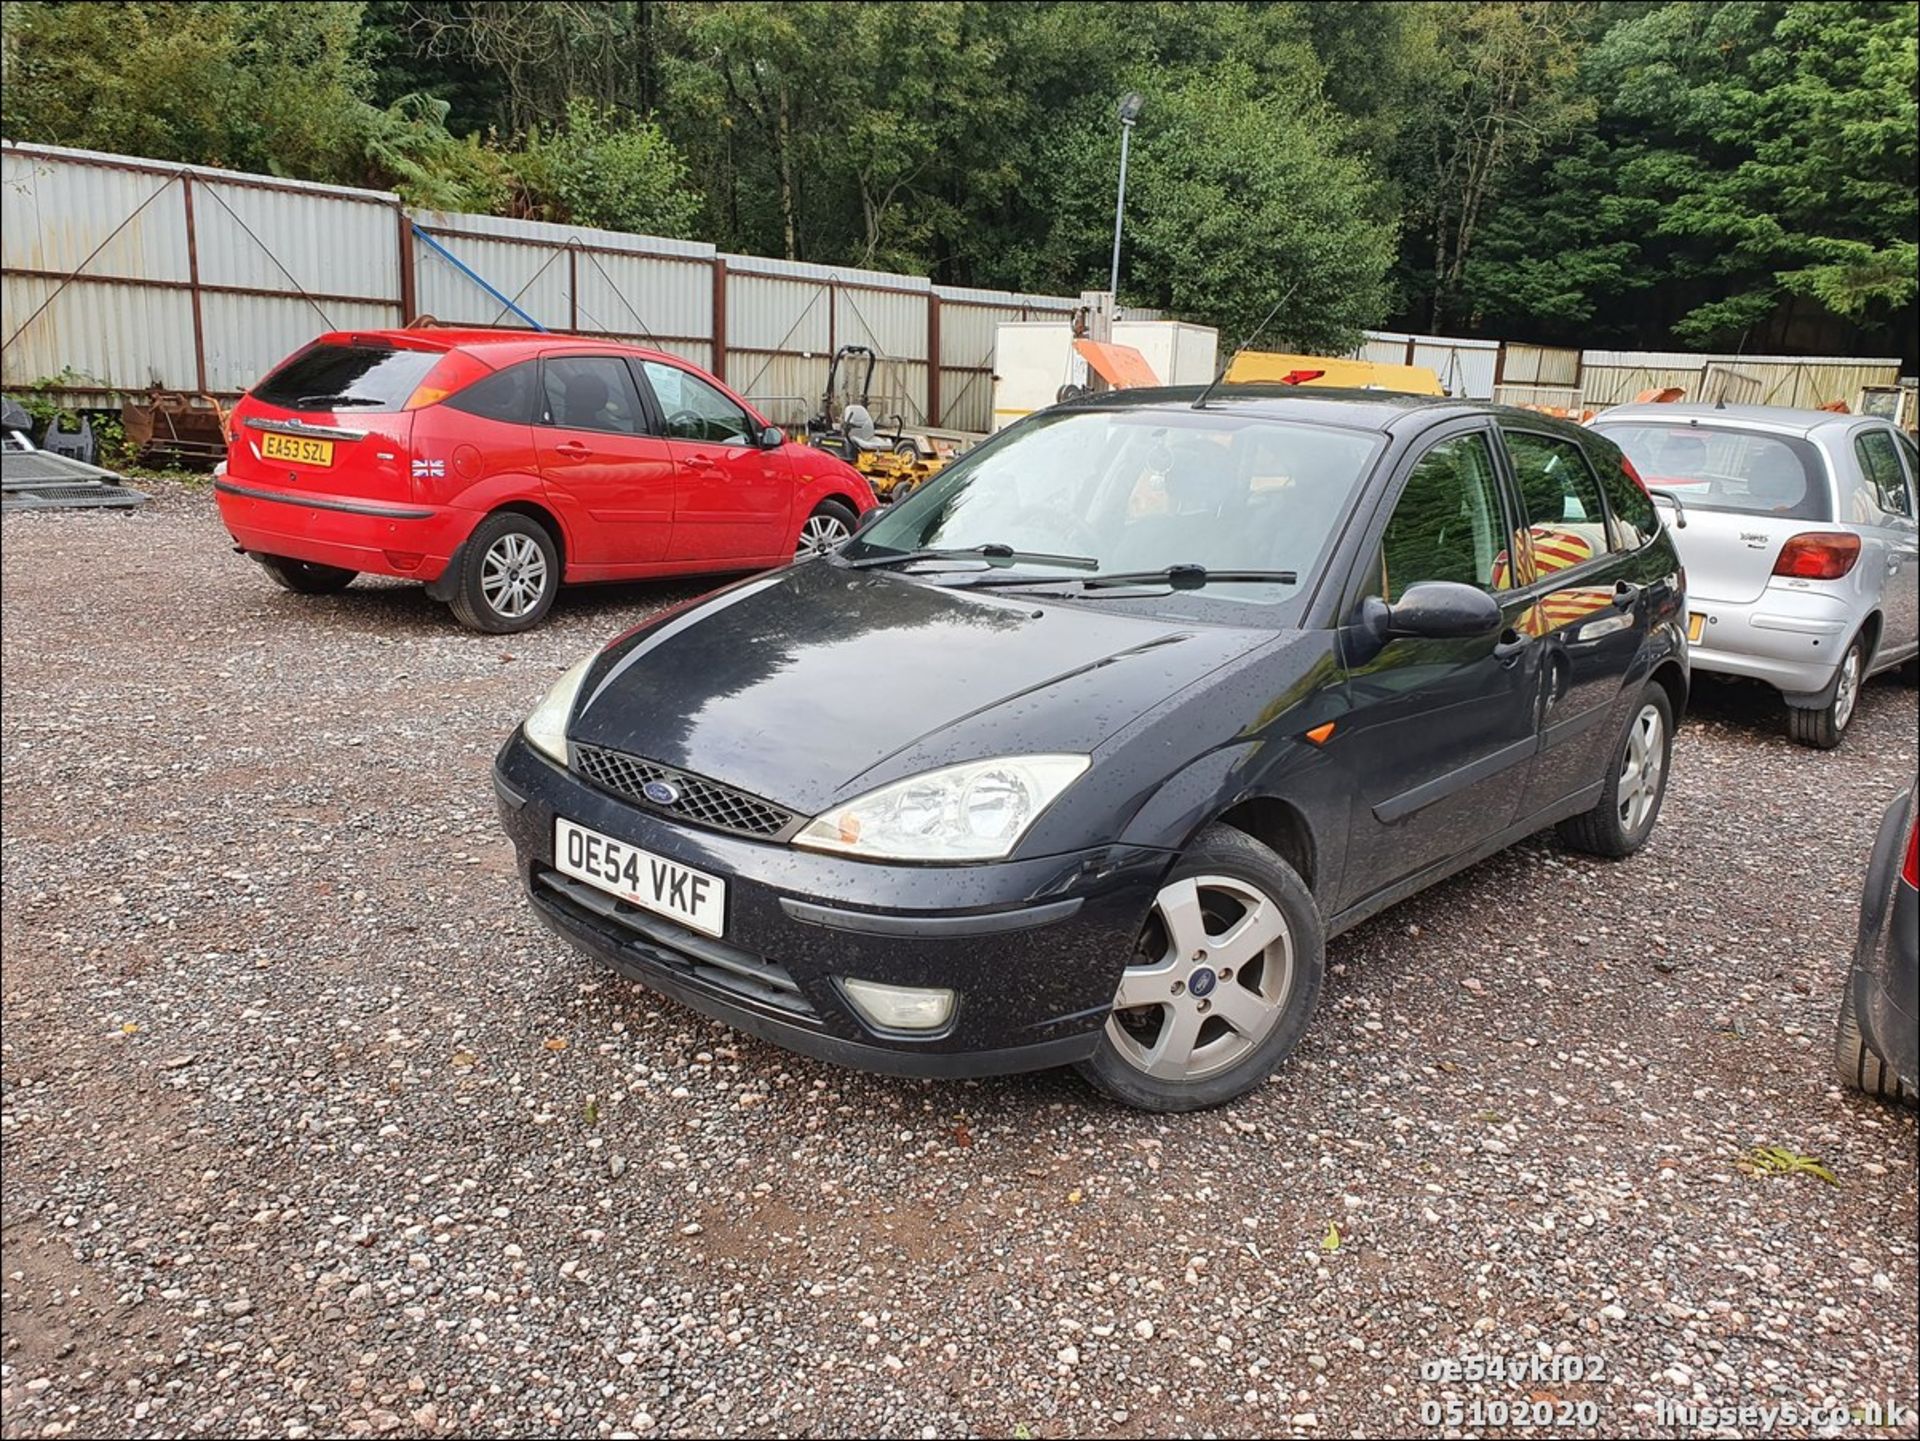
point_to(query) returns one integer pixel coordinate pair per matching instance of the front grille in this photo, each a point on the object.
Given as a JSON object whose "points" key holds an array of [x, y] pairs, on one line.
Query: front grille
{"points": [[701, 802], [649, 939]]}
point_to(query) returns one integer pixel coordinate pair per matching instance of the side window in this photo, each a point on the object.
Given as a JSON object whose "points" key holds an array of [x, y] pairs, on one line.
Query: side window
{"points": [[1561, 498], [1448, 523], [694, 410], [505, 395], [1880, 463], [1634, 520], [592, 392]]}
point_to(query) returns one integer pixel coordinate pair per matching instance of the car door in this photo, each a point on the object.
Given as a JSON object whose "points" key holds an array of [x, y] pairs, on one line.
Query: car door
{"points": [[1441, 735], [600, 458], [733, 499], [1887, 511], [1589, 614]]}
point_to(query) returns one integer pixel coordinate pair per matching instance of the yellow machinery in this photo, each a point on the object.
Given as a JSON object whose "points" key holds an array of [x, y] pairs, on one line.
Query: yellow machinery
{"points": [[893, 461], [1255, 366]]}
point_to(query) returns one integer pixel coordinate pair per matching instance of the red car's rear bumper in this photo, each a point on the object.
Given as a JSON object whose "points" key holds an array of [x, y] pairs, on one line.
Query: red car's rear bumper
{"points": [[379, 537]]}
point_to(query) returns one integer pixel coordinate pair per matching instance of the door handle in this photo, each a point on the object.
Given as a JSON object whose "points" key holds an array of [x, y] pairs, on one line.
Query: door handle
{"points": [[1507, 649], [697, 462], [1626, 594], [573, 449]]}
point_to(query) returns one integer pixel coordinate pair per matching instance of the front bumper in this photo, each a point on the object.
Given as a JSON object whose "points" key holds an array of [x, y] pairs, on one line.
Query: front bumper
{"points": [[1034, 948], [377, 537], [1790, 638]]}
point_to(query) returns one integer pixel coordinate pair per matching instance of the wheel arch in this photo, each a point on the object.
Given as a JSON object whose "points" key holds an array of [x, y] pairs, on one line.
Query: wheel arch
{"points": [[534, 510], [1282, 827], [1671, 677]]}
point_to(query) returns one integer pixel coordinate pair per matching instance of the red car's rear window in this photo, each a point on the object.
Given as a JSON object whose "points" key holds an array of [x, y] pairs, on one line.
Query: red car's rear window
{"points": [[347, 377]]}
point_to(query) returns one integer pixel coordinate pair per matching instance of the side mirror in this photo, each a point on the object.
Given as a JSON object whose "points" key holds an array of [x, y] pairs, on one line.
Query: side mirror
{"points": [[1431, 610], [868, 518], [1443, 610], [772, 438]]}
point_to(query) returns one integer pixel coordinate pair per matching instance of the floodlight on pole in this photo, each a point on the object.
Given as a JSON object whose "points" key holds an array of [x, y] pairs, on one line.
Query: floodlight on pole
{"points": [[1128, 110]]}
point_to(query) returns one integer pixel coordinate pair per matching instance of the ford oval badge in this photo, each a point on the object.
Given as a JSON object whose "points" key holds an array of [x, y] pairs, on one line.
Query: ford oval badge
{"points": [[661, 793]]}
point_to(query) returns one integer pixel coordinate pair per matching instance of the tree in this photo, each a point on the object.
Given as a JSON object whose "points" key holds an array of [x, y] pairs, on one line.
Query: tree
{"points": [[1750, 179], [607, 170], [1248, 207], [1505, 93]]}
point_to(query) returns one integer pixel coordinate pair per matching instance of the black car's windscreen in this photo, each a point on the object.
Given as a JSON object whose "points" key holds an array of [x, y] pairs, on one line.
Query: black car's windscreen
{"points": [[1140, 490], [347, 377], [1723, 468]]}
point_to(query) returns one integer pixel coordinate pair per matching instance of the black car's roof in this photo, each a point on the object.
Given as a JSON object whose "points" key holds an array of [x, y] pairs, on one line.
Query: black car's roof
{"points": [[1381, 410]]}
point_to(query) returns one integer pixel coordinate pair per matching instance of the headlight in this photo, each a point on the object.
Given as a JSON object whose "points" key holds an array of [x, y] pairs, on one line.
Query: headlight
{"points": [[972, 812], [547, 726]]}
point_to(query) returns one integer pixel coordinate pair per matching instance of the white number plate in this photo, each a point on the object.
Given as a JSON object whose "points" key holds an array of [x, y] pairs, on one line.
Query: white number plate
{"points": [[654, 883]]}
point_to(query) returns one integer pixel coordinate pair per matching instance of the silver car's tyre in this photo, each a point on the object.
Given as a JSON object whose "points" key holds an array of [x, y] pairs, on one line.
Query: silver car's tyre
{"points": [[1222, 983], [1636, 784], [1823, 729], [1856, 1063]]}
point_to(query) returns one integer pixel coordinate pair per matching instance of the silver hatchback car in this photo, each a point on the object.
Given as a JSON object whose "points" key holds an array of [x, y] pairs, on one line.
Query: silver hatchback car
{"points": [[1798, 532]]}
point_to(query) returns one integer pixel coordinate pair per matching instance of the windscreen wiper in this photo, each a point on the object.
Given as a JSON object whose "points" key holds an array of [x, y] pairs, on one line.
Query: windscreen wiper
{"points": [[1174, 577], [1187, 577], [992, 550]]}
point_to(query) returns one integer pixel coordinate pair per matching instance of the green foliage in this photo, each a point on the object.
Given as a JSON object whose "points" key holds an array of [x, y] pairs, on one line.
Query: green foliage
{"points": [[1751, 165], [1713, 172], [602, 169], [406, 148], [1246, 204]]}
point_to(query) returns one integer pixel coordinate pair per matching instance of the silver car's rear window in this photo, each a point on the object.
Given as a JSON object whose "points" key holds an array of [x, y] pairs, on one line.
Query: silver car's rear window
{"points": [[1721, 467]]}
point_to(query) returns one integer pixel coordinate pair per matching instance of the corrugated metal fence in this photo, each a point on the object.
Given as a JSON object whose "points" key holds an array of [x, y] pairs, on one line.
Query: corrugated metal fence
{"points": [[123, 274]]}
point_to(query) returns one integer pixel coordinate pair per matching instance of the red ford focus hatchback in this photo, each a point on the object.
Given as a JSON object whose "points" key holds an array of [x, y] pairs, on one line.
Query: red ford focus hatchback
{"points": [[493, 465]]}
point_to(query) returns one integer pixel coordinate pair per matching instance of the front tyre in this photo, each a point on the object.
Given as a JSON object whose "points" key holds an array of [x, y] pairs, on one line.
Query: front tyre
{"points": [[1856, 1063], [1636, 788], [304, 577], [1222, 983], [1823, 729], [509, 577], [831, 523]]}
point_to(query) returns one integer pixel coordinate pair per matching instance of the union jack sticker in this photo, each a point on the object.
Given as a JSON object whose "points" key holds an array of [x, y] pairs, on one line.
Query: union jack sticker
{"points": [[429, 470]]}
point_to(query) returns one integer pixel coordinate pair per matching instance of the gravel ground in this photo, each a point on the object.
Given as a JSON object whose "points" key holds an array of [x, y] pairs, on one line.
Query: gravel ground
{"points": [[310, 1128]]}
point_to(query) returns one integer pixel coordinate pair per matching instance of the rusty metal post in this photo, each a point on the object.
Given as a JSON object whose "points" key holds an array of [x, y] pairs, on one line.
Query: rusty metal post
{"points": [[719, 346], [933, 358], [573, 287], [409, 306], [193, 285]]}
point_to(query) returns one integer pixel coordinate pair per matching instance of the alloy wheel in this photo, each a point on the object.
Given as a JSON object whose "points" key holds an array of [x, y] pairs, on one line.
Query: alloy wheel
{"points": [[821, 534], [1210, 983], [513, 575], [1641, 769], [1846, 692]]}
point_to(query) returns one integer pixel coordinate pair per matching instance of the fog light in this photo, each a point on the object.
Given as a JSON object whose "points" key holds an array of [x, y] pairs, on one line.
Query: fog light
{"points": [[404, 559], [899, 1008]]}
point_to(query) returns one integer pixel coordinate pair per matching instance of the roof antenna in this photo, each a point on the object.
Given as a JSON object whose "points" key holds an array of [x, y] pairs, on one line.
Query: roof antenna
{"points": [[1721, 403], [1200, 400]]}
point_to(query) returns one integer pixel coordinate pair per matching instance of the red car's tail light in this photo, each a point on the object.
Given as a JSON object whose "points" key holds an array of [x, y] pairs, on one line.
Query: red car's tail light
{"points": [[1910, 872], [1818, 555], [454, 373]]}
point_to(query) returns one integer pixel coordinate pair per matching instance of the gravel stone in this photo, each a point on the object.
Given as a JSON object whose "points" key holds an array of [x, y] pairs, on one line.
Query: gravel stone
{"points": [[289, 1149]]}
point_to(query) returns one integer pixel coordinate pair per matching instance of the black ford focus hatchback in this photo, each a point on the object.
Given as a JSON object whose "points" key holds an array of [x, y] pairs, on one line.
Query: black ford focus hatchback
{"points": [[1080, 754]]}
